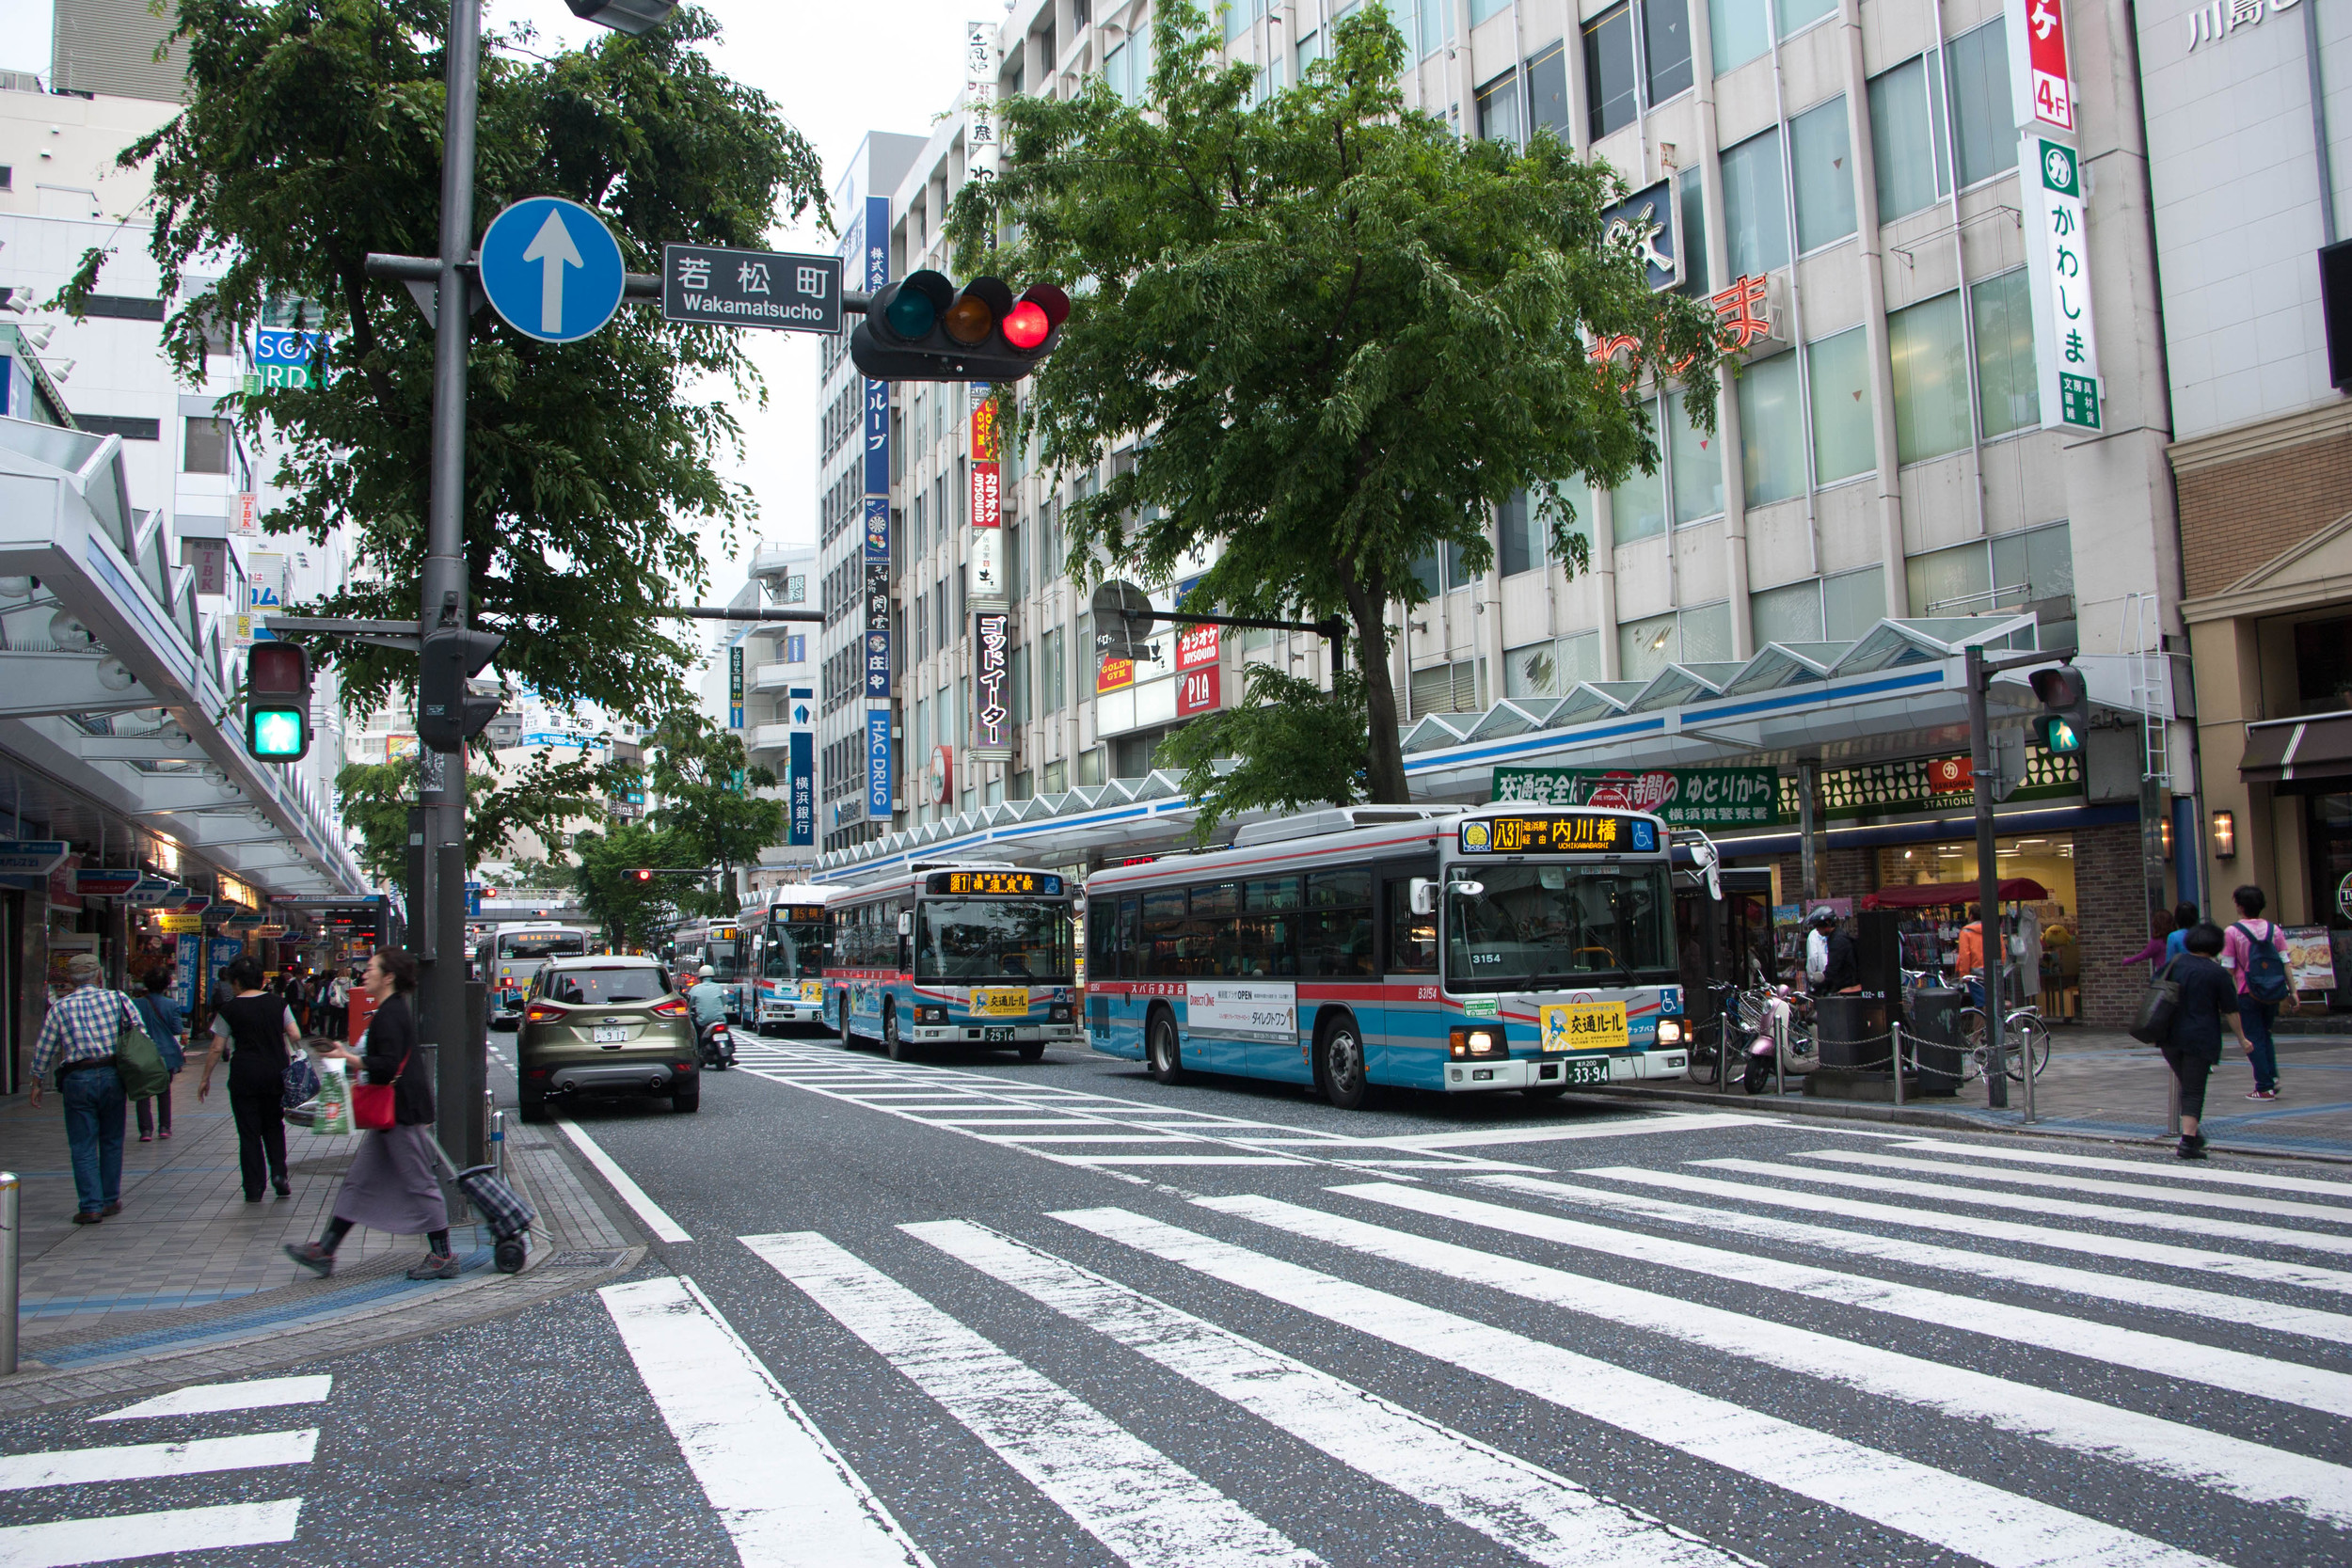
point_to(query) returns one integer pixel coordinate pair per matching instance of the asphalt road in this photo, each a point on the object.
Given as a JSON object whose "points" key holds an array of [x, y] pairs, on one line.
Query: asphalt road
{"points": [[977, 1311]]}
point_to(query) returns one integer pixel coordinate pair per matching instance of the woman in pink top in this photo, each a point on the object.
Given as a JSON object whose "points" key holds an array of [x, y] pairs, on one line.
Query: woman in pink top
{"points": [[2255, 1014]]}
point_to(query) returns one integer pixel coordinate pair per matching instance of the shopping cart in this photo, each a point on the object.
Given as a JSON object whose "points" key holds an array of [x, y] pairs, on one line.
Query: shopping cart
{"points": [[508, 1216]]}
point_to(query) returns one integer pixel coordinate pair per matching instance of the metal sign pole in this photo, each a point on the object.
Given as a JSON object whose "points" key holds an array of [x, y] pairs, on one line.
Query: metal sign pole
{"points": [[1995, 942], [11, 1208]]}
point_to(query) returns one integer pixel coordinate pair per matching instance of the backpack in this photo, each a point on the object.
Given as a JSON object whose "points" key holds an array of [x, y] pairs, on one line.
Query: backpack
{"points": [[2266, 967]]}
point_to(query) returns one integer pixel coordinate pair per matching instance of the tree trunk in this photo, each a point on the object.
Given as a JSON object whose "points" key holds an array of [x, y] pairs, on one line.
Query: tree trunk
{"points": [[1384, 752]]}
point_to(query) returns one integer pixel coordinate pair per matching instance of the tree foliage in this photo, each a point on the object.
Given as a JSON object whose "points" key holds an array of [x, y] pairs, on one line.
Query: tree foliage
{"points": [[311, 137], [547, 792], [705, 786], [1298, 745], [633, 913], [1335, 333]]}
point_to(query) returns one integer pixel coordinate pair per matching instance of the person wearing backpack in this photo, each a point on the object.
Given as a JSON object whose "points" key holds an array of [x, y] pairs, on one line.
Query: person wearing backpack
{"points": [[2259, 961]]}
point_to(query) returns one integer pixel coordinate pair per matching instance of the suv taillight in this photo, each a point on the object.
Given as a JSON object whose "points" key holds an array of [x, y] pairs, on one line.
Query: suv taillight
{"points": [[539, 1012], [671, 1008]]}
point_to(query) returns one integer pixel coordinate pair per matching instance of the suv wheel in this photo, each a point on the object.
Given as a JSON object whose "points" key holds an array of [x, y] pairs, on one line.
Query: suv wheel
{"points": [[533, 1105], [686, 1100]]}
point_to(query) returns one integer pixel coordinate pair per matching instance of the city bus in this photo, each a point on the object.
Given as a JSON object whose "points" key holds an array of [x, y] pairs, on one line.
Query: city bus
{"points": [[963, 953], [1465, 950], [510, 956], [786, 942], [693, 943]]}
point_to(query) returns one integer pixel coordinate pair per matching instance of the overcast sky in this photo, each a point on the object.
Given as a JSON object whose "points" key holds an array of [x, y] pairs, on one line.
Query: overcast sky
{"points": [[835, 72]]}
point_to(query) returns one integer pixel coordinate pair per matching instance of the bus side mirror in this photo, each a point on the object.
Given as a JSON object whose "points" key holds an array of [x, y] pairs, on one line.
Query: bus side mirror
{"points": [[906, 923], [1425, 893]]}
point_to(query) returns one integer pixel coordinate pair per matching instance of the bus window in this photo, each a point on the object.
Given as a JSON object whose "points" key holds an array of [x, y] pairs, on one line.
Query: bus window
{"points": [[987, 938], [1412, 937], [1565, 924], [1129, 937], [1335, 938]]}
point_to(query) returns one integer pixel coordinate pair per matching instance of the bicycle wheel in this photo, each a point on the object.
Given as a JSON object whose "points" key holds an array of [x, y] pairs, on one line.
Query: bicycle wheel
{"points": [[2030, 1039], [1972, 1045]]}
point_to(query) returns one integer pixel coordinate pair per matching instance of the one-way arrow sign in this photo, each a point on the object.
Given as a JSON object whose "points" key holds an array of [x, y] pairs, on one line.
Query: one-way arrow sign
{"points": [[552, 269]]}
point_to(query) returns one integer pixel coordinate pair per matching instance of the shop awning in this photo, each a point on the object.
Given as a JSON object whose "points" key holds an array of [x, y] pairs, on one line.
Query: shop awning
{"points": [[1928, 896], [2279, 750]]}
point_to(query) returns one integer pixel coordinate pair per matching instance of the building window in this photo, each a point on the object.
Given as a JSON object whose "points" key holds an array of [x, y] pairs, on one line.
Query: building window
{"points": [[1819, 153], [1704, 634], [1548, 88], [1984, 136], [208, 443], [1844, 439], [1310, 51], [1696, 470], [1928, 353], [1482, 10], [1499, 109], [1834, 609], [1239, 14], [2008, 392], [1666, 47], [1448, 689], [1852, 603], [1019, 672], [1756, 209], [796, 648], [1053, 672], [1637, 508], [1016, 569], [1609, 81], [1907, 137], [1645, 647], [1520, 536], [1790, 614], [1691, 241], [1551, 669], [1771, 430], [1738, 31], [1457, 567]]}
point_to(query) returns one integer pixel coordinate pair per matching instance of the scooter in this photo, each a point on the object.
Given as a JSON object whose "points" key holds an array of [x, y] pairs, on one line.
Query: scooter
{"points": [[715, 1046], [1778, 1039]]}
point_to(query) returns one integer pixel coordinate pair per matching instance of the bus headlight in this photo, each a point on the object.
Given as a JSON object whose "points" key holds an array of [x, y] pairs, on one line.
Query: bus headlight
{"points": [[1474, 1042], [1060, 1012], [1670, 1031], [931, 1015]]}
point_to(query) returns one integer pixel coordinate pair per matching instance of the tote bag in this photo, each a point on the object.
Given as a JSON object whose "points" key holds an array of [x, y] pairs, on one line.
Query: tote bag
{"points": [[2157, 1009]]}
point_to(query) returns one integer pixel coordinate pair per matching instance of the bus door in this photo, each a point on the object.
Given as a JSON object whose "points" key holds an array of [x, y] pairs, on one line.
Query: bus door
{"points": [[1412, 1030]]}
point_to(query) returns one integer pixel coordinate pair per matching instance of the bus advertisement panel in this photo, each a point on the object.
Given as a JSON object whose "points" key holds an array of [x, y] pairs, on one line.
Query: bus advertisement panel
{"points": [[975, 955]]}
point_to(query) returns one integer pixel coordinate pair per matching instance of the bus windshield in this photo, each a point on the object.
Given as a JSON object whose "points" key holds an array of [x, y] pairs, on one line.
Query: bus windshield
{"points": [[1532, 925], [796, 951], [991, 939], [542, 945]]}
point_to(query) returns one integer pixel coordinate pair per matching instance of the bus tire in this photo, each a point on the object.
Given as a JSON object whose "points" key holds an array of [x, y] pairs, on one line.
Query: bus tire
{"points": [[849, 1035], [1544, 1091], [1034, 1051], [895, 1044], [1163, 1052], [1339, 1063]]}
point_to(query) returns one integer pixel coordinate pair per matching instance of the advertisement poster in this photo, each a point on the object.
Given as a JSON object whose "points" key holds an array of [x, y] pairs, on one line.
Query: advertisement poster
{"points": [[991, 712], [877, 770], [1261, 1010], [1685, 797], [1198, 691], [2310, 957]]}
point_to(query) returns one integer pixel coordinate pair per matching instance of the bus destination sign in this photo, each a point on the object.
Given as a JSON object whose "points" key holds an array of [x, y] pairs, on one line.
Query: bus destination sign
{"points": [[1557, 833], [995, 882], [801, 913]]}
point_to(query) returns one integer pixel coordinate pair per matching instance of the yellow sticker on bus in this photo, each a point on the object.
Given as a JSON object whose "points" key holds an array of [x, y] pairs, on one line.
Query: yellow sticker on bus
{"points": [[1584, 1026], [1001, 1001]]}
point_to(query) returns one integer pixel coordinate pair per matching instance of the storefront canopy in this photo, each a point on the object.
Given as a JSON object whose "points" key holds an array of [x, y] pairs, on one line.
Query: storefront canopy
{"points": [[1928, 896], [2280, 750]]}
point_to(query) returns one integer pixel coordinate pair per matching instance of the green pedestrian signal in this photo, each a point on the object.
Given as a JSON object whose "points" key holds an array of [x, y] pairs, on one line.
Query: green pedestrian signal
{"points": [[277, 703], [276, 735], [2065, 716]]}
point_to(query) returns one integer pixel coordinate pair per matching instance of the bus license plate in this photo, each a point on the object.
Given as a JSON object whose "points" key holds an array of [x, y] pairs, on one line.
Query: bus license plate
{"points": [[1592, 1070], [609, 1036], [996, 1036]]}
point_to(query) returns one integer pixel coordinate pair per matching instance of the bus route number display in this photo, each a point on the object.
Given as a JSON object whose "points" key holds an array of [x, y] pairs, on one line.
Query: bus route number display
{"points": [[1557, 834], [996, 882], [801, 913]]}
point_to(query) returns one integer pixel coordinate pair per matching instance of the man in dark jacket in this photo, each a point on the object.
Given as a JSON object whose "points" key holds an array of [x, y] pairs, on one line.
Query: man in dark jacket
{"points": [[2208, 996]]}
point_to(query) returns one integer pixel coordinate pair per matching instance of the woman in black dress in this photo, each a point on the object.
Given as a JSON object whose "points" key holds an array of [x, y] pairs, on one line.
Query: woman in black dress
{"points": [[394, 1182], [256, 1030]]}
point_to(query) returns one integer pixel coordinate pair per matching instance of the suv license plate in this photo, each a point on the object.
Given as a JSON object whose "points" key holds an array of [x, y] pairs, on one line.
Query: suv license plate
{"points": [[996, 1036], [609, 1036], [1592, 1070]]}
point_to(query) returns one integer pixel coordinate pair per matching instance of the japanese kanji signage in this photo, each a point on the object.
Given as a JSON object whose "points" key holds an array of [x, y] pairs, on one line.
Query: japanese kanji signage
{"points": [[984, 564], [1745, 315], [1685, 797], [1646, 221], [2066, 341], [877, 630], [735, 687], [718, 286], [801, 826], [873, 236], [992, 689], [2038, 64], [982, 59], [1196, 647], [2216, 19], [988, 503]]}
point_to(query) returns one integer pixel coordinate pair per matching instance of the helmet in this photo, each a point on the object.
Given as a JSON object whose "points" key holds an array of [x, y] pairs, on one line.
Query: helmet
{"points": [[1823, 915], [706, 971]]}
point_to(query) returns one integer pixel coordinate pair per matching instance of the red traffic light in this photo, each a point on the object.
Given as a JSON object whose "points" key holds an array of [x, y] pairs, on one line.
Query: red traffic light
{"points": [[278, 670], [1026, 326], [2062, 687], [645, 873]]}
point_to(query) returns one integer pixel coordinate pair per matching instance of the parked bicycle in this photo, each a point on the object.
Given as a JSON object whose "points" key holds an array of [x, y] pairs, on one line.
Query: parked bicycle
{"points": [[2025, 1038]]}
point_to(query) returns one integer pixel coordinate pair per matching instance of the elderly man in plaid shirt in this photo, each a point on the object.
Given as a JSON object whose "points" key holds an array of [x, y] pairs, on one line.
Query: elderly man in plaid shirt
{"points": [[78, 1039]]}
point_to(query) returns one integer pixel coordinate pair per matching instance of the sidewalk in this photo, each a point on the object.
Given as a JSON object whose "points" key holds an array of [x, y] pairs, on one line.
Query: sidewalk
{"points": [[2105, 1083], [190, 1269]]}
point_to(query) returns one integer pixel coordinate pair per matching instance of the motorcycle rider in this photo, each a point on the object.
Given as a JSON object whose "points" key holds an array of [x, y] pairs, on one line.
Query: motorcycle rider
{"points": [[707, 1002]]}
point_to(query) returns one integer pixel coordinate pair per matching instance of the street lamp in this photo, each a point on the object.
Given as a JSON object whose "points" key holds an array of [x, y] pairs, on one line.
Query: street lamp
{"points": [[624, 16]]}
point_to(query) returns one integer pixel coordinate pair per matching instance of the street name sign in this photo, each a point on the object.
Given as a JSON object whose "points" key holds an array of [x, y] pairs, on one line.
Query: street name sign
{"points": [[712, 286], [552, 269]]}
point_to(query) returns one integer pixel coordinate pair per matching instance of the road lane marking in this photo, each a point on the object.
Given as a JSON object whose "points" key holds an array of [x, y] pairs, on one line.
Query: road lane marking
{"points": [[1997, 1528], [783, 1493], [112, 1537], [2253, 1472], [2265, 1181], [156, 1461], [2288, 1382], [1977, 1228], [1475, 1137], [206, 1399], [656, 1218], [1146, 1508], [1947, 1192], [2275, 1206], [1543, 1517]]}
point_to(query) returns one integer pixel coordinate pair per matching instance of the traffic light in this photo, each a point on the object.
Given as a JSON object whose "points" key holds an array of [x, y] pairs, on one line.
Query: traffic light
{"points": [[277, 703], [2065, 716], [922, 328], [447, 717], [644, 873]]}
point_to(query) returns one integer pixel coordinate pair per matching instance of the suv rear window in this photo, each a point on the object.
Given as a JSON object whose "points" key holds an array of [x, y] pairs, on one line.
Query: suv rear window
{"points": [[613, 983]]}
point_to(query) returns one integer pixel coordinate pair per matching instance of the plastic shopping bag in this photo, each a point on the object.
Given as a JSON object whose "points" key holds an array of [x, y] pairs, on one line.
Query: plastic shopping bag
{"points": [[333, 1118]]}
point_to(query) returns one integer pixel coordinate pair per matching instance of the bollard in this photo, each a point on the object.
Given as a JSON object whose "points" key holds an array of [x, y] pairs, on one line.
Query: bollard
{"points": [[2172, 1106], [1895, 1046], [1781, 1025], [11, 1192], [497, 1124]]}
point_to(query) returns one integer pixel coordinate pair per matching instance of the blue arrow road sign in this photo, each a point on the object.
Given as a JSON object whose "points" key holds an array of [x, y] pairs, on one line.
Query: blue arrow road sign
{"points": [[552, 269]]}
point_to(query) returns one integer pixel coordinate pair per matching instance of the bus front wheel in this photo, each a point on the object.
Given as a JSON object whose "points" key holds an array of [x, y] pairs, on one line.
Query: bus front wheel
{"points": [[1161, 1052], [1339, 1063], [893, 1042]]}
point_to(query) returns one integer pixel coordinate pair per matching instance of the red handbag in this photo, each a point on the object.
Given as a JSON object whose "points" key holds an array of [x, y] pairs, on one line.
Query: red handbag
{"points": [[372, 1109]]}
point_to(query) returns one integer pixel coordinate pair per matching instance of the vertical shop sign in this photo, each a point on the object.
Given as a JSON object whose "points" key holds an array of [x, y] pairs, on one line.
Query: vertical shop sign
{"points": [[876, 630], [209, 560], [985, 564], [982, 60], [991, 662], [2039, 66], [877, 769], [2066, 341], [877, 272], [802, 826], [735, 687]]}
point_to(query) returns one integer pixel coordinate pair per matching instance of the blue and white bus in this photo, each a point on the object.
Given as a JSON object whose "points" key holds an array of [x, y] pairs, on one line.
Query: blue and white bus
{"points": [[1501, 947], [786, 937], [955, 955]]}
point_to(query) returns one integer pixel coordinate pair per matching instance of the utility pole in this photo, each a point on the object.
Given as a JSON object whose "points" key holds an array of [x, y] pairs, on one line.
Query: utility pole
{"points": [[1993, 946]]}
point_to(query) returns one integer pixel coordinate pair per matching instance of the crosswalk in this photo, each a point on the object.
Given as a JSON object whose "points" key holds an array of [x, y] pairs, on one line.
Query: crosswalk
{"points": [[1138, 1139], [75, 1534], [1615, 1365]]}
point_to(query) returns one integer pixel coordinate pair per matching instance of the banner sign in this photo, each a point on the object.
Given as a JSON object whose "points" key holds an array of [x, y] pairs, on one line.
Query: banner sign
{"points": [[983, 423], [718, 286], [878, 760], [2065, 339], [1114, 674], [982, 60], [802, 829], [878, 530], [26, 863], [735, 687], [2038, 66], [1196, 646], [1196, 690], [1645, 222], [877, 631], [188, 956], [988, 501], [985, 564], [877, 270], [285, 360], [179, 924], [1262, 1010], [1686, 797], [991, 659], [98, 882], [209, 560]]}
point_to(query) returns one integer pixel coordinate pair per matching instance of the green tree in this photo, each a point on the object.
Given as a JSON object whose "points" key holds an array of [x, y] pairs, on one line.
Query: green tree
{"points": [[1334, 333], [633, 913], [312, 136], [703, 785], [1297, 745], [375, 800]]}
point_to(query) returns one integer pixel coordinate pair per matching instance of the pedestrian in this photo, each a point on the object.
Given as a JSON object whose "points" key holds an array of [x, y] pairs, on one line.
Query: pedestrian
{"points": [[2259, 962], [160, 1016], [2165, 945], [337, 997], [255, 1030], [1969, 961], [394, 1183], [2206, 998], [77, 1038], [1830, 963]]}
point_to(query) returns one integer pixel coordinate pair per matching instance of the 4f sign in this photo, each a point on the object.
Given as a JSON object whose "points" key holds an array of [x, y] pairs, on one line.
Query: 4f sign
{"points": [[2040, 66]]}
